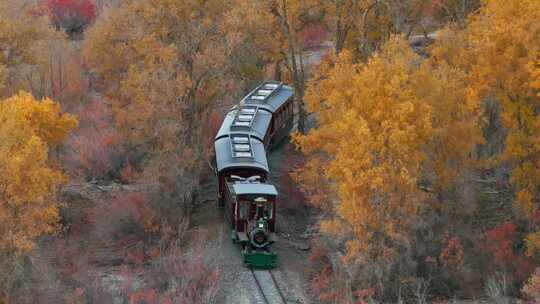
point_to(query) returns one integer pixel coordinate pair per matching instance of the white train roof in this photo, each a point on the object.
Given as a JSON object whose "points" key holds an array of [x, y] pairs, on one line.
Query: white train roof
{"points": [[254, 189], [240, 151], [270, 95], [246, 119]]}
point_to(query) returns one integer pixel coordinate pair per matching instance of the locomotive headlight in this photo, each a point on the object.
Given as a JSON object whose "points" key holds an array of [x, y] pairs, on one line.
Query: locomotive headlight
{"points": [[261, 225]]}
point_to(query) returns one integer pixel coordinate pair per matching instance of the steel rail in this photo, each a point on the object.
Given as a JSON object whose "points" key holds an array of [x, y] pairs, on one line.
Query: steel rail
{"points": [[269, 298], [277, 287], [259, 287]]}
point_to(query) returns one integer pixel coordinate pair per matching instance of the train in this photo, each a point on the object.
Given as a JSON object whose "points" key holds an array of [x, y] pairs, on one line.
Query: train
{"points": [[259, 122]]}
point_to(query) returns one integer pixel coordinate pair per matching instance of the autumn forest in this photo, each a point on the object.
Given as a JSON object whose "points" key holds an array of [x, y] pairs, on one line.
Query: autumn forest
{"points": [[412, 174]]}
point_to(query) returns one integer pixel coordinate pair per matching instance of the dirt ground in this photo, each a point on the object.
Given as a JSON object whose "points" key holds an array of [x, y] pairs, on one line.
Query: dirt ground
{"points": [[293, 250]]}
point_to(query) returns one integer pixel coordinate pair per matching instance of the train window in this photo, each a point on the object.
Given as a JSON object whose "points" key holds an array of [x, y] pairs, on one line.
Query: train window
{"points": [[245, 117], [248, 110], [264, 92], [242, 123], [241, 147], [240, 139], [242, 154], [244, 209], [269, 211], [264, 211], [271, 86], [261, 211]]}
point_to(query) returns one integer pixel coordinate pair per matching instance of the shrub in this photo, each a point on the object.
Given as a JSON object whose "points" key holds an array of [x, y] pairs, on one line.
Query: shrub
{"points": [[532, 288], [73, 16], [94, 151]]}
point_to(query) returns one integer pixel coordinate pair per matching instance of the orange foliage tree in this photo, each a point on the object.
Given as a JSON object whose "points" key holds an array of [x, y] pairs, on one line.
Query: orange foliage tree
{"points": [[499, 52], [403, 123], [166, 75], [501, 58], [165, 66], [452, 10], [286, 21], [388, 130], [35, 57], [408, 127], [28, 179]]}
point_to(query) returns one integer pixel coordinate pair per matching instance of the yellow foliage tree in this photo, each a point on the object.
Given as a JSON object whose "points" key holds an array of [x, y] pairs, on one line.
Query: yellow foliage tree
{"points": [[16, 37], [362, 27], [284, 21], [30, 48], [387, 125], [165, 64], [291, 18], [2, 76], [509, 40], [500, 50], [28, 180], [358, 26], [533, 244], [507, 70], [247, 25]]}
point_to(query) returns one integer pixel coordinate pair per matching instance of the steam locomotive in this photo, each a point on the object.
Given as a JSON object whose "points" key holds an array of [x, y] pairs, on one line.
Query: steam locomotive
{"points": [[262, 119]]}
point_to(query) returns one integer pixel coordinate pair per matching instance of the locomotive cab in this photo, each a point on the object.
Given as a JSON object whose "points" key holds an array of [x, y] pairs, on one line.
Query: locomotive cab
{"points": [[251, 209], [252, 206]]}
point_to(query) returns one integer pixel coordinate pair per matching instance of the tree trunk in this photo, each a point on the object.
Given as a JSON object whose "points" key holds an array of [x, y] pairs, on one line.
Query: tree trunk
{"points": [[301, 111], [277, 70]]}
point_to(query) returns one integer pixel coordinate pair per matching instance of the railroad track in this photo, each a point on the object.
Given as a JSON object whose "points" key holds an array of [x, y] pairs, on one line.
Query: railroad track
{"points": [[268, 287]]}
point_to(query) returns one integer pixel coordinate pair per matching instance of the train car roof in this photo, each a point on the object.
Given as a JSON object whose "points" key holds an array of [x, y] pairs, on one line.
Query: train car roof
{"points": [[240, 151], [270, 95], [246, 119], [254, 188]]}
